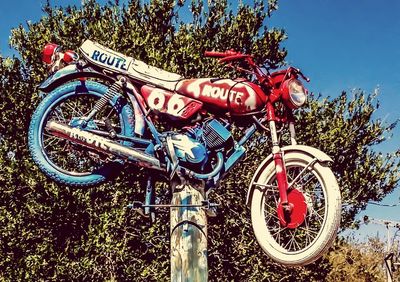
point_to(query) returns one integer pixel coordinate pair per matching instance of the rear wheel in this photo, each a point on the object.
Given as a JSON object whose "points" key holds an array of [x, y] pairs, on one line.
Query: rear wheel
{"points": [[65, 161], [316, 198]]}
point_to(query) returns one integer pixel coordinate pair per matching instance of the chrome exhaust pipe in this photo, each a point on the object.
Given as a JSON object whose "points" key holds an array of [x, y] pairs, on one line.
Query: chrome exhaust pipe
{"points": [[102, 144]]}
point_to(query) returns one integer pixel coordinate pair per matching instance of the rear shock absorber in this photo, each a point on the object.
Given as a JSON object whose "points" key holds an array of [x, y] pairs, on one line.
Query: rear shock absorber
{"points": [[112, 92]]}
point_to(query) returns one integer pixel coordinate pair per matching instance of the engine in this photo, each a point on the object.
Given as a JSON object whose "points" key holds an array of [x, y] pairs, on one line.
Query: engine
{"points": [[195, 147], [216, 136]]}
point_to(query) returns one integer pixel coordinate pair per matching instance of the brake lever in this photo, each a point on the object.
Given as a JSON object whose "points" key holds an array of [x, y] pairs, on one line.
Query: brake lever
{"points": [[305, 77], [298, 71]]}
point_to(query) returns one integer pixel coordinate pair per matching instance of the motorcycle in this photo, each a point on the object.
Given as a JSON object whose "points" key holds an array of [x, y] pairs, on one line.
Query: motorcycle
{"points": [[101, 111]]}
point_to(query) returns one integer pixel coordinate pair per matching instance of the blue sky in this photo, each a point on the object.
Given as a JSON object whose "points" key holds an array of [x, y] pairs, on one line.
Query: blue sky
{"points": [[339, 44]]}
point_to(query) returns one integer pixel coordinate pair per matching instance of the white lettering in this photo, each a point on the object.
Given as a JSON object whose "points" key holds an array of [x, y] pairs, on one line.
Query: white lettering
{"points": [[238, 97], [156, 100], [207, 91], [175, 105], [88, 138], [216, 92], [224, 94], [220, 93]]}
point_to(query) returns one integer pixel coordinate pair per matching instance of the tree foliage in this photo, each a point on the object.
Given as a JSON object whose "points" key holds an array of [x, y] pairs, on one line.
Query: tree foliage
{"points": [[354, 261], [52, 232]]}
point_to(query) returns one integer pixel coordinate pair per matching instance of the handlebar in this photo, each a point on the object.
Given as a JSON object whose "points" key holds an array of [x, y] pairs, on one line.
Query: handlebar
{"points": [[214, 54], [234, 58], [221, 54], [298, 71], [305, 77], [227, 56], [232, 55]]}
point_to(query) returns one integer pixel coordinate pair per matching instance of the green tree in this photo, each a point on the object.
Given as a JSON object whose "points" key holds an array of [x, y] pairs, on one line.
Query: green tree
{"points": [[354, 261], [54, 233]]}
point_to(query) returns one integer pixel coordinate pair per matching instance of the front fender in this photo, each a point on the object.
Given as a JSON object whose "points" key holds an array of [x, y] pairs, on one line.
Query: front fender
{"points": [[311, 151], [69, 73]]}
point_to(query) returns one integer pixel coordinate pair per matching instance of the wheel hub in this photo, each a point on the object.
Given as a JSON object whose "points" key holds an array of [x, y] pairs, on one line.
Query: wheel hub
{"points": [[81, 123], [293, 213]]}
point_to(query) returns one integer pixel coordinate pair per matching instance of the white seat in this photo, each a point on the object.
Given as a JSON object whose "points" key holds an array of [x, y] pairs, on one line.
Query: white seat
{"points": [[154, 75], [117, 62]]}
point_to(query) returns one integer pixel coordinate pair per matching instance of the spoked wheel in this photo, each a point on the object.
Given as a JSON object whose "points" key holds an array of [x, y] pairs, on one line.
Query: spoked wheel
{"points": [[312, 225], [63, 160]]}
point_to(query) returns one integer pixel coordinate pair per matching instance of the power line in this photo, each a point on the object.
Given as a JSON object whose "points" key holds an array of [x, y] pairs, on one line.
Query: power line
{"points": [[384, 205]]}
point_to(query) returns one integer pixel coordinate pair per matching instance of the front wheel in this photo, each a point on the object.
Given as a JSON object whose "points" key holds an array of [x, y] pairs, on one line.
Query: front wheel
{"points": [[316, 198]]}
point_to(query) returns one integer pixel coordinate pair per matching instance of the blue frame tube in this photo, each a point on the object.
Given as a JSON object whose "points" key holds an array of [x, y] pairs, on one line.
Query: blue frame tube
{"points": [[247, 135]]}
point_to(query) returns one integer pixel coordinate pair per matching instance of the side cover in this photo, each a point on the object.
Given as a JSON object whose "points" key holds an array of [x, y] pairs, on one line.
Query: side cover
{"points": [[170, 103]]}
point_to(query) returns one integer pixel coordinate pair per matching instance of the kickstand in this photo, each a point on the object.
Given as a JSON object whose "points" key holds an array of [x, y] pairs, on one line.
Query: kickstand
{"points": [[149, 199]]}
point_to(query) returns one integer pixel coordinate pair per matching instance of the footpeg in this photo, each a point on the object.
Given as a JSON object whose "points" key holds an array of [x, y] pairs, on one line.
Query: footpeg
{"points": [[204, 204], [110, 128]]}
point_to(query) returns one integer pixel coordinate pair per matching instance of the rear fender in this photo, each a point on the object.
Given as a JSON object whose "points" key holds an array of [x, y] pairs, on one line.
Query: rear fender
{"points": [[69, 73], [313, 152], [73, 71]]}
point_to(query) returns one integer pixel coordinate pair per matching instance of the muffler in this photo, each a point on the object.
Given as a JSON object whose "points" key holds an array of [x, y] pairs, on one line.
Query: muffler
{"points": [[102, 144]]}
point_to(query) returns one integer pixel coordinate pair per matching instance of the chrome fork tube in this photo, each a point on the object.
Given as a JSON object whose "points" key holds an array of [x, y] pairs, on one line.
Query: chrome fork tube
{"points": [[292, 133], [280, 169], [274, 137]]}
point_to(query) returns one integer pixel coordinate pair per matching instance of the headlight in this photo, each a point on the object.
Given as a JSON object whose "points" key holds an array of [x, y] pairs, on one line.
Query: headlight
{"points": [[295, 95]]}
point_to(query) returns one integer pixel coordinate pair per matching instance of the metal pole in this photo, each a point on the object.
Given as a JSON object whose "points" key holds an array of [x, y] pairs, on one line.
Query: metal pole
{"points": [[388, 263], [188, 236], [388, 260]]}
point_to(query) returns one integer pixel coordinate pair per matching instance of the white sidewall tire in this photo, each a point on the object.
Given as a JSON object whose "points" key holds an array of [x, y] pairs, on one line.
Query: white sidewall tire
{"points": [[331, 219]]}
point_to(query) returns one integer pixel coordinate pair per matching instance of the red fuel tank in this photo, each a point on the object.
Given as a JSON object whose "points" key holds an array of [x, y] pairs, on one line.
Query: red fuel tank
{"points": [[237, 96]]}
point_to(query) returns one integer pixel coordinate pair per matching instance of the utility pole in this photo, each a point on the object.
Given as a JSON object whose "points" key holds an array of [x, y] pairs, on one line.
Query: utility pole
{"points": [[189, 209], [188, 219], [389, 256]]}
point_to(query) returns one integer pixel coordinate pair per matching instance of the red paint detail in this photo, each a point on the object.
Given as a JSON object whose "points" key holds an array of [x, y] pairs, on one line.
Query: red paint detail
{"points": [[278, 77], [281, 176], [237, 96], [234, 58], [70, 56], [141, 100], [298, 213], [275, 95], [48, 53], [170, 103], [279, 82], [232, 55], [270, 111]]}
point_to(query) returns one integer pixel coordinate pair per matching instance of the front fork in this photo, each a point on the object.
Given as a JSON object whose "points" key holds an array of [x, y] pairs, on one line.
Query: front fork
{"points": [[280, 170]]}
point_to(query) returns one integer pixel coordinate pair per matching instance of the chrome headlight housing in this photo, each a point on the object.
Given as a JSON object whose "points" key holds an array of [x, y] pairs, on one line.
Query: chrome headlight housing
{"points": [[294, 94]]}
